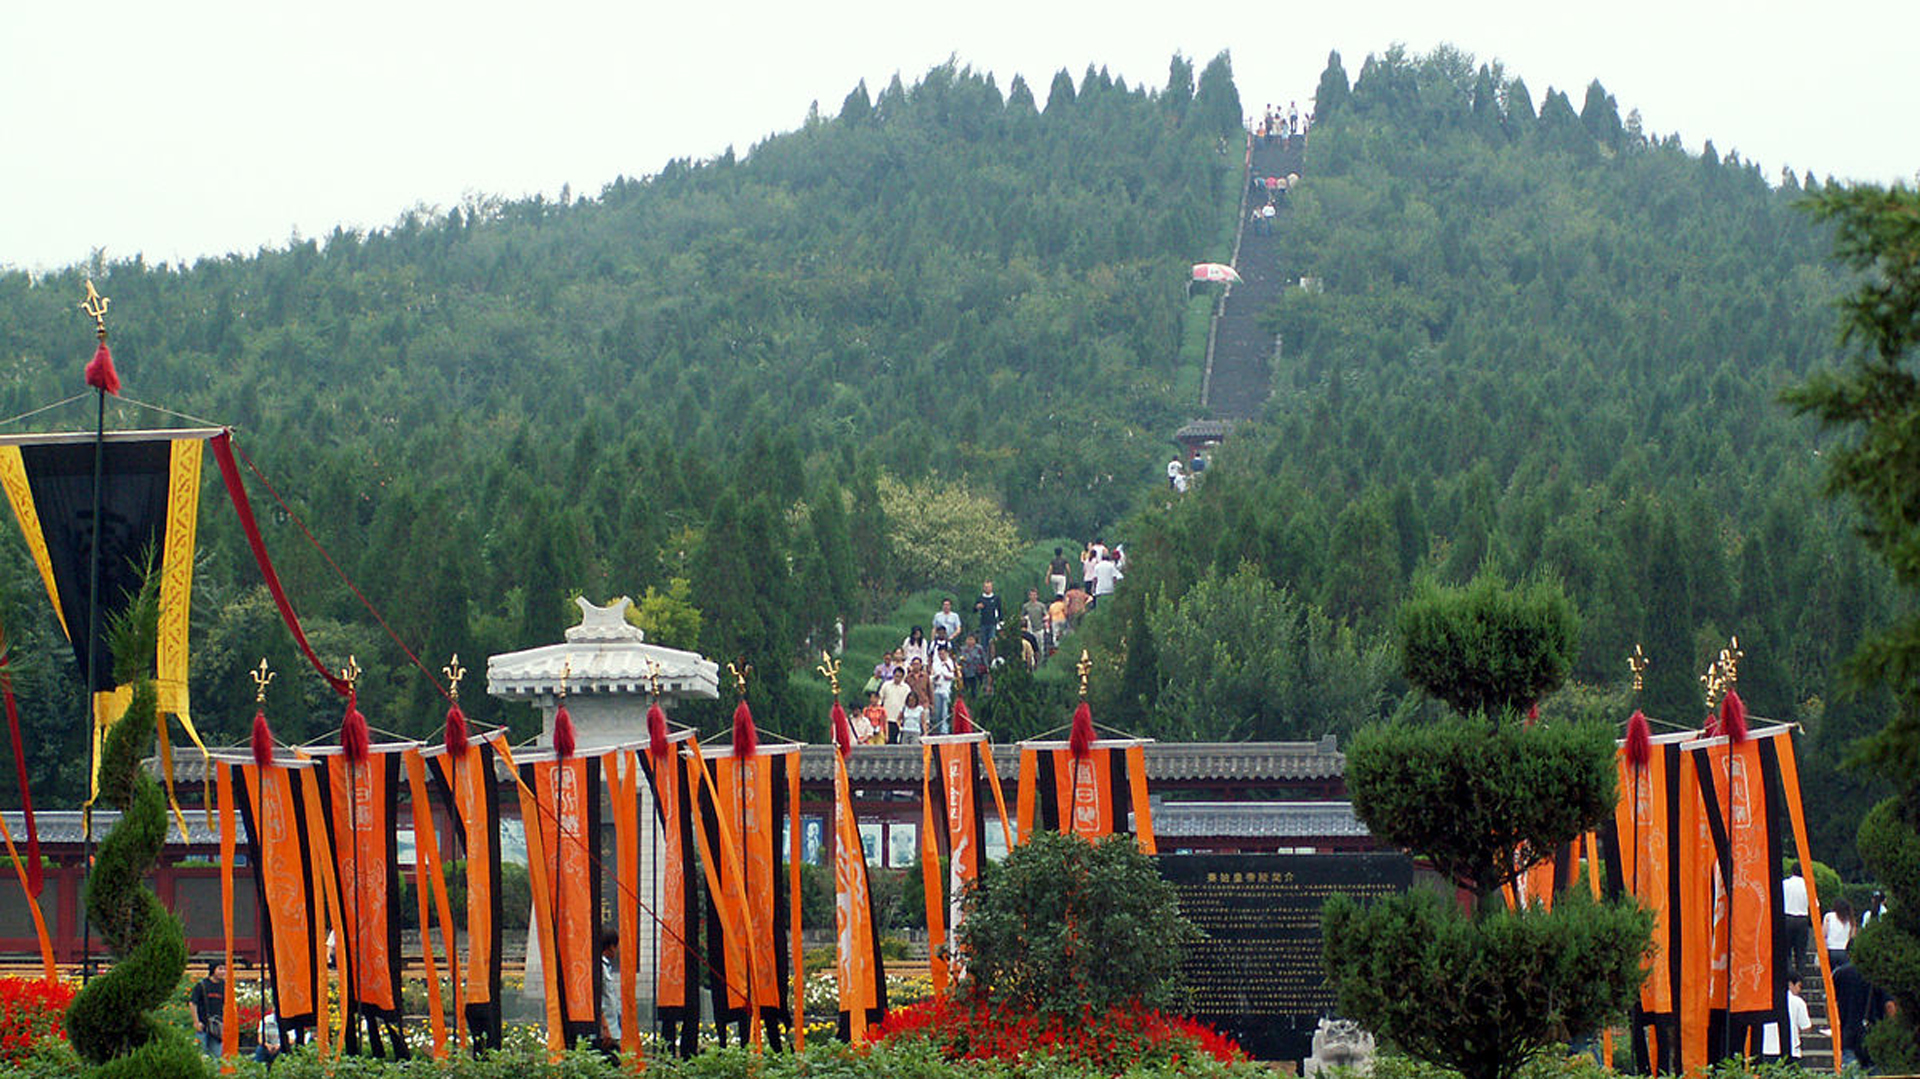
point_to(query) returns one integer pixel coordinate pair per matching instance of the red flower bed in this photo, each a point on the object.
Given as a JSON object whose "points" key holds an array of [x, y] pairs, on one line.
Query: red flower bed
{"points": [[1120, 1036], [30, 1009]]}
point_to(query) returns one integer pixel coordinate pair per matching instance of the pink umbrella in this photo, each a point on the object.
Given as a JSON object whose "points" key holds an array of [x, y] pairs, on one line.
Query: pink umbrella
{"points": [[1214, 271]]}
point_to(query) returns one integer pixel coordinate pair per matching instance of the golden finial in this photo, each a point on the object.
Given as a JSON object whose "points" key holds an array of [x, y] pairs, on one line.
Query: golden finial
{"points": [[1084, 667], [454, 672], [1730, 658], [1637, 663], [830, 668], [95, 306], [350, 674], [740, 674], [653, 678], [262, 678]]}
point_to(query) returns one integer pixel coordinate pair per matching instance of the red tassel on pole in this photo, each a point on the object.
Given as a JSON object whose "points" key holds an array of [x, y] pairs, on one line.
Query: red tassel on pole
{"points": [[657, 745], [100, 373], [962, 719], [456, 736], [842, 731], [262, 740], [746, 740], [354, 738], [564, 740], [1733, 718], [1639, 740], [1080, 740]]}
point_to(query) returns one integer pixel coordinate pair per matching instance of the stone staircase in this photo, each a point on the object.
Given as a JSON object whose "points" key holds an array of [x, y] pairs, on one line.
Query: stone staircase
{"points": [[1241, 355]]}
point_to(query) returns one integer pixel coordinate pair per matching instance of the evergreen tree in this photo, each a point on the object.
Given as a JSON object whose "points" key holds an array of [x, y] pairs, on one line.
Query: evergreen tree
{"points": [[1333, 90], [1019, 96], [857, 109], [1216, 103], [1519, 113], [1601, 116], [1875, 398], [1060, 94], [1483, 796], [1179, 92]]}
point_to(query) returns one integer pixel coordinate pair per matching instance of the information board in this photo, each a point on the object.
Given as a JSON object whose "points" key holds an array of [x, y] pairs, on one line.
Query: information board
{"points": [[1257, 974]]}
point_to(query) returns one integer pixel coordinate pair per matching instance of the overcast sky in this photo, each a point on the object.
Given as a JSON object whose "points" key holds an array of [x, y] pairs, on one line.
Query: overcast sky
{"points": [[186, 129]]}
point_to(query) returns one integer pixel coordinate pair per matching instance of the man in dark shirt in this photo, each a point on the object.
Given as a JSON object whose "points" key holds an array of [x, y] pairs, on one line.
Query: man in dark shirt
{"points": [[209, 1000], [989, 607], [1859, 1004]]}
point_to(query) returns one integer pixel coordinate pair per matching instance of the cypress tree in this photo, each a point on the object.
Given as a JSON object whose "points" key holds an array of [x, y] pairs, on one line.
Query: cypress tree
{"points": [[1216, 103], [857, 109], [1060, 94], [1179, 92], [1601, 116], [1333, 90]]}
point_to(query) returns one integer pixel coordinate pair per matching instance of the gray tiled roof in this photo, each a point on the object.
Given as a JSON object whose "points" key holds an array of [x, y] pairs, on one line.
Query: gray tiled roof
{"points": [[1166, 762], [1266, 819]]}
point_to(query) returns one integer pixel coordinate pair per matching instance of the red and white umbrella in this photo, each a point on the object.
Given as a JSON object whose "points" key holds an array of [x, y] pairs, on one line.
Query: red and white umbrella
{"points": [[1215, 271]]}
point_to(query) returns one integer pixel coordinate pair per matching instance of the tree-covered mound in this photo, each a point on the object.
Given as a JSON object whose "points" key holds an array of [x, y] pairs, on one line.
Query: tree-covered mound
{"points": [[1533, 338], [486, 408]]}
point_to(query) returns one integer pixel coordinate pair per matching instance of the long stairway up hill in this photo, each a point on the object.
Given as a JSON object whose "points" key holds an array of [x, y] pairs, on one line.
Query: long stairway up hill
{"points": [[1241, 377]]}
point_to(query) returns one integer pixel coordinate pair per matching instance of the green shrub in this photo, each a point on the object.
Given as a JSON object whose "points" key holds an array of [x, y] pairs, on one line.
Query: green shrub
{"points": [[1063, 925], [1515, 982], [1466, 795], [1489, 649]]}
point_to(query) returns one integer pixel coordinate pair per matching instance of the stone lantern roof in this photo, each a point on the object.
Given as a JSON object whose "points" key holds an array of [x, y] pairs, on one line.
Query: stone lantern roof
{"points": [[604, 655]]}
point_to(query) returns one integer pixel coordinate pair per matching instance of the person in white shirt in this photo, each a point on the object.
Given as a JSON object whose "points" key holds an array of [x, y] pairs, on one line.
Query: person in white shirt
{"points": [[893, 698], [948, 619], [1799, 1018], [1793, 903], [609, 992], [940, 675], [1837, 927], [1105, 573]]}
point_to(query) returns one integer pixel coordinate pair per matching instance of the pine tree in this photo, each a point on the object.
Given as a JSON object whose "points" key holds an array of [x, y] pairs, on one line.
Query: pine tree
{"points": [[1179, 92], [1060, 94], [1875, 397], [857, 109], [1601, 115], [1333, 90], [1216, 103]]}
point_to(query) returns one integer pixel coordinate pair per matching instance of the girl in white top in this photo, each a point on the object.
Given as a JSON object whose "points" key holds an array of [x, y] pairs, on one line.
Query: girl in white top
{"points": [[1837, 927], [913, 720]]}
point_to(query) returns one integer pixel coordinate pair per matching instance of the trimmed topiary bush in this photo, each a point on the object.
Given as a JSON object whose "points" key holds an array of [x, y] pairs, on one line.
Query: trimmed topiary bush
{"points": [[1483, 796], [111, 1024]]}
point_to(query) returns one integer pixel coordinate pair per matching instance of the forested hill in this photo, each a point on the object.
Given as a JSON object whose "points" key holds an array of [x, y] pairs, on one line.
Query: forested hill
{"points": [[1537, 341], [942, 298]]}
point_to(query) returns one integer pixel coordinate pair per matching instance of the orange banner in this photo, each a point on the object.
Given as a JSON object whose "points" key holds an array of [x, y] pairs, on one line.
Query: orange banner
{"points": [[275, 823]]}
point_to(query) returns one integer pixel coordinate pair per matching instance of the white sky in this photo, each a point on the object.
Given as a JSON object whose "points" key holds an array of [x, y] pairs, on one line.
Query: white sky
{"points": [[200, 128]]}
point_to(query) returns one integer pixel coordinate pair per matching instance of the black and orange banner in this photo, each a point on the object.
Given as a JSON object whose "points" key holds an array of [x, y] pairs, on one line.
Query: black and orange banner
{"points": [[470, 791], [562, 797], [1741, 809], [362, 796], [1099, 794], [676, 982], [1638, 840], [755, 805], [278, 804], [859, 970], [149, 509], [957, 781], [1698, 837]]}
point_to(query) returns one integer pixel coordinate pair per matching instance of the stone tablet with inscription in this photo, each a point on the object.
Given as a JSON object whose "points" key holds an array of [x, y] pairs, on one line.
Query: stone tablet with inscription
{"points": [[1257, 974]]}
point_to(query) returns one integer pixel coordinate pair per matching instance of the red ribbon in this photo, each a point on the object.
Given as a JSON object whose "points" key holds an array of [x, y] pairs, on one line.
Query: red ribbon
{"points": [[237, 491], [34, 873]]}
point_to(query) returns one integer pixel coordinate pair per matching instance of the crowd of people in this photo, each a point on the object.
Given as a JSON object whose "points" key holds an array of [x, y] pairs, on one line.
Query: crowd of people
{"points": [[1275, 124], [911, 692], [1857, 1003]]}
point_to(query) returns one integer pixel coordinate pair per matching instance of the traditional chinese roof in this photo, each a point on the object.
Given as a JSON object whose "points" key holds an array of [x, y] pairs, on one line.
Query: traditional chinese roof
{"points": [[604, 654], [1256, 819], [1203, 431], [1166, 762]]}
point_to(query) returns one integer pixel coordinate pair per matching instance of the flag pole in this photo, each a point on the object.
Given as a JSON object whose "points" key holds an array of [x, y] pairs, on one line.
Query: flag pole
{"points": [[100, 375]]}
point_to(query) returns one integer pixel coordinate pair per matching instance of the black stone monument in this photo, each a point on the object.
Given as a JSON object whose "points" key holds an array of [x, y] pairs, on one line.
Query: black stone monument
{"points": [[1257, 974]]}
